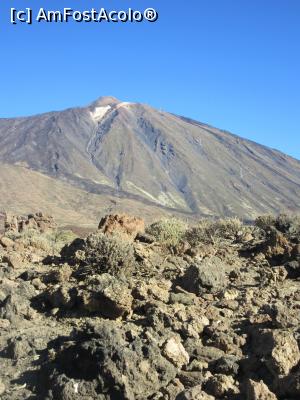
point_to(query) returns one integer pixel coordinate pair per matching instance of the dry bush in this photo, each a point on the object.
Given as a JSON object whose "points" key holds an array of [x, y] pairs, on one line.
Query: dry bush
{"points": [[168, 231], [200, 233], [288, 224], [49, 242], [108, 253], [227, 227], [209, 232], [265, 222]]}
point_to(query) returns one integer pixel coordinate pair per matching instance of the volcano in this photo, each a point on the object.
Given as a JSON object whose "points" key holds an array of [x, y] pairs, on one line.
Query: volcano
{"points": [[130, 155]]}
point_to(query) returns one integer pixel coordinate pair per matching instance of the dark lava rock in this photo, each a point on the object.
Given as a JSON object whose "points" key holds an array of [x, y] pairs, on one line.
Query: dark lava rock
{"points": [[207, 277], [17, 348], [106, 361], [227, 365], [293, 269], [14, 308], [108, 296], [69, 251]]}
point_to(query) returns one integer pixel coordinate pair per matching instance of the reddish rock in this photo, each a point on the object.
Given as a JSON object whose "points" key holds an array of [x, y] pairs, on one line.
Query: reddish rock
{"points": [[123, 225], [37, 221]]}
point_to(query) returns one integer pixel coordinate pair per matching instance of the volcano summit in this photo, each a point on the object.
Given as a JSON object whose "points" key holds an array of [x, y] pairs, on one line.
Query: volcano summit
{"points": [[131, 155]]}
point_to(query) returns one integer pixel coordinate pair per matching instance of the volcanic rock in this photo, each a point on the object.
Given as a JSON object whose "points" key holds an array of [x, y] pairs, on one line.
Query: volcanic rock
{"points": [[208, 276], [123, 225], [259, 391]]}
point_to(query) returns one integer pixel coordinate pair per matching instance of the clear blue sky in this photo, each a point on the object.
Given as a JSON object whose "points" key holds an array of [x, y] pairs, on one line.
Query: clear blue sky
{"points": [[234, 64]]}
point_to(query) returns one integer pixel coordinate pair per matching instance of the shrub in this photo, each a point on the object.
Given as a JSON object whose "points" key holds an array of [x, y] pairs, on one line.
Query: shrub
{"points": [[13, 235], [288, 224], [227, 227], [50, 241], [209, 231], [58, 239], [265, 222], [201, 233], [108, 253], [168, 231]]}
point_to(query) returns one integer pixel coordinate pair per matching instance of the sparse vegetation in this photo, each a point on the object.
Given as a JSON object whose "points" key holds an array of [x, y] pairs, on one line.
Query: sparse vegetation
{"points": [[209, 231], [168, 231], [108, 253], [116, 305], [50, 241], [264, 222], [285, 223]]}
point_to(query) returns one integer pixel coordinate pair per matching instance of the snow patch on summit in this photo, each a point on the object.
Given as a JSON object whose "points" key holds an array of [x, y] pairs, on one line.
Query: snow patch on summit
{"points": [[98, 113], [124, 104]]}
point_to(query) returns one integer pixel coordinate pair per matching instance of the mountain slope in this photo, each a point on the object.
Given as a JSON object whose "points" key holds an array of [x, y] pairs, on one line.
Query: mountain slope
{"points": [[24, 191], [135, 152]]}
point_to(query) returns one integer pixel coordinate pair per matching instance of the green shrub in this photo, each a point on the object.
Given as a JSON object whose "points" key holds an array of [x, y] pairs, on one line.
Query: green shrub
{"points": [[168, 231]]}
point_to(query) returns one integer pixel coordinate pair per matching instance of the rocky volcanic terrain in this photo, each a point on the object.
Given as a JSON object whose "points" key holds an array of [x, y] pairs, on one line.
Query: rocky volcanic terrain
{"points": [[117, 155], [201, 312]]}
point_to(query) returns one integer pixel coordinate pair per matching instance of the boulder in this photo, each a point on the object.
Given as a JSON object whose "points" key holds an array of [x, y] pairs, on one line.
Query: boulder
{"points": [[123, 225], [227, 365], [38, 221], [207, 276], [2, 388], [15, 307], [292, 269], [175, 352], [14, 260], [103, 357], [172, 390], [278, 348], [289, 386], [107, 296], [61, 296], [258, 391], [196, 350], [220, 385], [154, 288], [4, 323], [38, 284], [284, 316], [191, 379], [17, 348], [6, 242]]}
